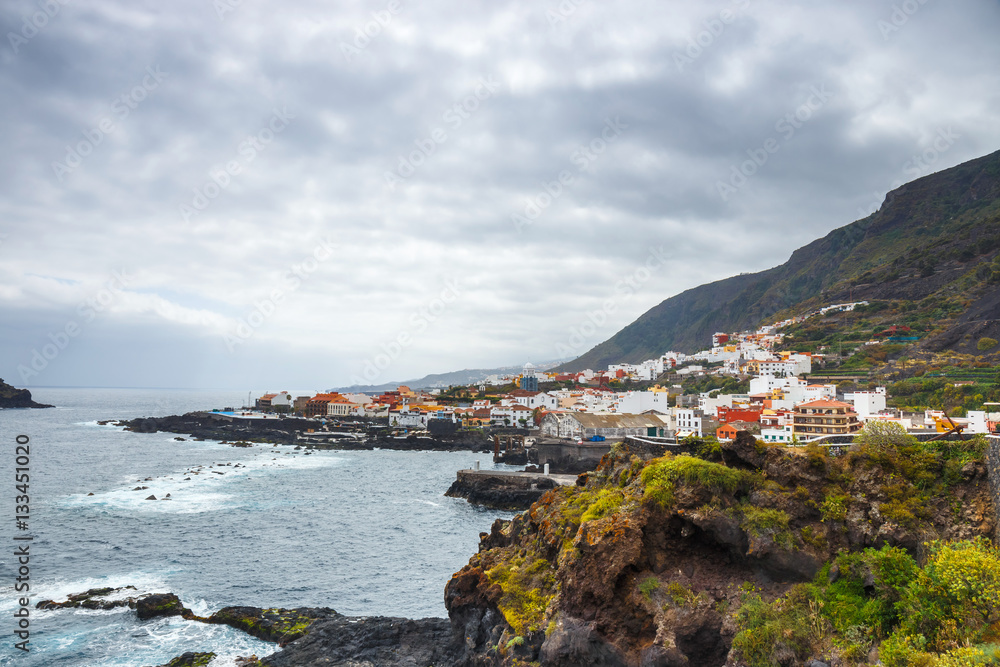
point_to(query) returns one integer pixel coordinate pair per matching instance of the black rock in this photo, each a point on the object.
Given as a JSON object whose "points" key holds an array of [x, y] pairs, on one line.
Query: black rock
{"points": [[160, 604], [11, 397], [575, 642], [386, 642]]}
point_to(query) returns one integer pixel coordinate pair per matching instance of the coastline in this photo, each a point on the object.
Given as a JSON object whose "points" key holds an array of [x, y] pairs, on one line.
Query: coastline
{"points": [[359, 434]]}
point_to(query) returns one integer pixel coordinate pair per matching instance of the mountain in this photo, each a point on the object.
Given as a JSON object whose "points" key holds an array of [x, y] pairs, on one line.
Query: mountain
{"points": [[930, 247], [444, 380]]}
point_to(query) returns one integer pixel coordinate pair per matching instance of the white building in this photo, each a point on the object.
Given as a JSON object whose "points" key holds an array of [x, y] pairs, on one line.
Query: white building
{"points": [[780, 434], [688, 422], [867, 403], [637, 402]]}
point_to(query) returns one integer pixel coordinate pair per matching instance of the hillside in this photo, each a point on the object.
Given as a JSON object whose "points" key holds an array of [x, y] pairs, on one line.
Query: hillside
{"points": [[931, 244]]}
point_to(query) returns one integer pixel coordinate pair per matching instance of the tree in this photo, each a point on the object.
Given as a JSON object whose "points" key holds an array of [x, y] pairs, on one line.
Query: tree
{"points": [[884, 435]]}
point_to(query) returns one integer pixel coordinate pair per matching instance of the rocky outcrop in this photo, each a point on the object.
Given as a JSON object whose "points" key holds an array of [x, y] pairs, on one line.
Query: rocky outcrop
{"points": [[191, 659], [374, 642], [11, 397], [211, 426], [272, 625], [498, 491], [147, 606], [646, 563], [160, 604], [363, 434], [95, 598]]}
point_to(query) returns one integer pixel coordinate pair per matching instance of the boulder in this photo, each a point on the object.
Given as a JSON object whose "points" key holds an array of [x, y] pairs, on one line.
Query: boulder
{"points": [[160, 604], [575, 642]]}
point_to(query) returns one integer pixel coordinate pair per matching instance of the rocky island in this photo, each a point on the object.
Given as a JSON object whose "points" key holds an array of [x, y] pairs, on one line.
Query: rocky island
{"points": [[743, 554], [11, 397]]}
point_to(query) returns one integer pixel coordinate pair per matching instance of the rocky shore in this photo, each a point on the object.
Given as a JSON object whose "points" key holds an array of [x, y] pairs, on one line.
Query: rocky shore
{"points": [[746, 554], [504, 491], [308, 635], [11, 397], [308, 433]]}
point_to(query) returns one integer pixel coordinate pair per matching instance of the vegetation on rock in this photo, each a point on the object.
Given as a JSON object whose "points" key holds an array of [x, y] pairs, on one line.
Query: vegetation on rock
{"points": [[800, 554]]}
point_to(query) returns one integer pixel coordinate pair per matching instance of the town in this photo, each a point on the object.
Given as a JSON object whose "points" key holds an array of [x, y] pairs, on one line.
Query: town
{"points": [[770, 398]]}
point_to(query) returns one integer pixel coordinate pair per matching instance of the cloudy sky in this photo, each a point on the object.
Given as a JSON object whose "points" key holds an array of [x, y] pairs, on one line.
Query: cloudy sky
{"points": [[256, 195]]}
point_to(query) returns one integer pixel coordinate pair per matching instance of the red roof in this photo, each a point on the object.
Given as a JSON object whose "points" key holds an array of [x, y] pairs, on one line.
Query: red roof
{"points": [[821, 403]]}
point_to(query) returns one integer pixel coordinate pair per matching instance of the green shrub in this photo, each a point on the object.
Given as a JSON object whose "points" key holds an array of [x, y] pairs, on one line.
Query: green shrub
{"points": [[955, 597], [761, 521], [883, 435], [834, 507], [648, 585], [986, 344]]}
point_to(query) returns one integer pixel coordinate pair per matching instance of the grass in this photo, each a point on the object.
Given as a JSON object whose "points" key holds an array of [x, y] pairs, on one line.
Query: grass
{"points": [[660, 477], [648, 585]]}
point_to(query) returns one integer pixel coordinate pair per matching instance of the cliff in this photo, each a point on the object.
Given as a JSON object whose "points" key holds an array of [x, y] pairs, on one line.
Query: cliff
{"points": [[672, 561], [17, 398]]}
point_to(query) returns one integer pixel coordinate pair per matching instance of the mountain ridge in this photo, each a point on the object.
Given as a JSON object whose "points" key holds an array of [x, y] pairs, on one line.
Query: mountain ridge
{"points": [[935, 226]]}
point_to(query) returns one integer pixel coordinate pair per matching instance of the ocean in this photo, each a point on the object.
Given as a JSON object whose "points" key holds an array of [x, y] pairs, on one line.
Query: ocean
{"points": [[366, 532]]}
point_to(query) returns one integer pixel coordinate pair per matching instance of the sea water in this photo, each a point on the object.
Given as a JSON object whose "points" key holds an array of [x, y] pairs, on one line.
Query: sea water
{"points": [[363, 532]]}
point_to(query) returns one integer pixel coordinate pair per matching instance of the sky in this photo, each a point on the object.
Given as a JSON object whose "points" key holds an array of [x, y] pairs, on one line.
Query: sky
{"points": [[237, 194]]}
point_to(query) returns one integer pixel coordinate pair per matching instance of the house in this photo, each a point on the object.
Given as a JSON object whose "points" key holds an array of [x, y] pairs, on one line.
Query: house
{"points": [[583, 426], [824, 417], [688, 422], [726, 432], [781, 434]]}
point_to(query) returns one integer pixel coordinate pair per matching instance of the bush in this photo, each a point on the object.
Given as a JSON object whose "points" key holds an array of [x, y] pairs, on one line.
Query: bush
{"points": [[834, 507], [883, 435], [986, 344], [648, 585], [660, 476], [955, 598]]}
